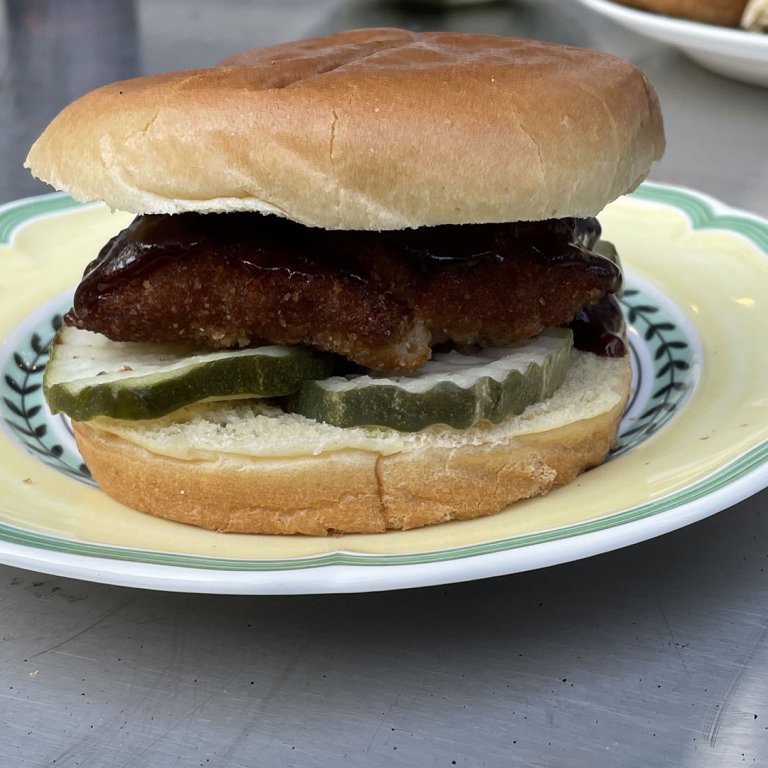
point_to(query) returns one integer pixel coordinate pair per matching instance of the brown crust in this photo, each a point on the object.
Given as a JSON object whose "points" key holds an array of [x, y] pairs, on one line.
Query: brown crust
{"points": [[379, 300], [722, 12], [368, 129], [351, 491]]}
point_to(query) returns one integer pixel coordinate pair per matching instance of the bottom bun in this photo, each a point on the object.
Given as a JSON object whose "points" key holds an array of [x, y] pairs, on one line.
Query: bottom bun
{"points": [[370, 485]]}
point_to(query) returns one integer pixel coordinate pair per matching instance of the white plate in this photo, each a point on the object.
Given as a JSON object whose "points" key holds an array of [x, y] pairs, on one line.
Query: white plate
{"points": [[694, 441], [735, 53]]}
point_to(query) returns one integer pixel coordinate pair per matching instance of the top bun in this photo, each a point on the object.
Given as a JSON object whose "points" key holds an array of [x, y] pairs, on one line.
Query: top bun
{"points": [[366, 129]]}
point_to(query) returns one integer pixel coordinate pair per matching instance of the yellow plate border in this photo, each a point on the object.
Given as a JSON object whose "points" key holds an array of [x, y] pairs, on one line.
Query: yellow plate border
{"points": [[710, 261]]}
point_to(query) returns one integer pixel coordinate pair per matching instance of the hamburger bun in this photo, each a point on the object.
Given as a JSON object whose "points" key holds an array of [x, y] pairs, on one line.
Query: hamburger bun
{"points": [[219, 468], [369, 129]]}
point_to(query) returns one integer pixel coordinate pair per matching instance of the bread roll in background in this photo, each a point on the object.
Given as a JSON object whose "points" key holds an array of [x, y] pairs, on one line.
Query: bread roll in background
{"points": [[726, 13]]}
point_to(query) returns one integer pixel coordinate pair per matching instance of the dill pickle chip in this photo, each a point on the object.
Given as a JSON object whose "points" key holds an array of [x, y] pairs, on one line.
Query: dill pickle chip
{"points": [[454, 389], [88, 375]]}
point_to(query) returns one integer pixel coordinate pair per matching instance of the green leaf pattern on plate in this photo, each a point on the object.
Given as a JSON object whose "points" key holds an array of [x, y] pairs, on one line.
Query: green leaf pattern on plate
{"points": [[23, 407], [656, 337]]}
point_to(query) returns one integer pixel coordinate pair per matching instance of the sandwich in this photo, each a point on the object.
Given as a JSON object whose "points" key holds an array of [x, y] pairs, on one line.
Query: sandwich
{"points": [[365, 288]]}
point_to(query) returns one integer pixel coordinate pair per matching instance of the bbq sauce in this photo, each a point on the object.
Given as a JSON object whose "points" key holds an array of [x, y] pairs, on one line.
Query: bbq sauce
{"points": [[257, 243], [600, 328]]}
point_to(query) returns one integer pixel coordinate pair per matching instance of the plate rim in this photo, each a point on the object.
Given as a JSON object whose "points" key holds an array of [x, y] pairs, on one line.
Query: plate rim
{"points": [[732, 52], [359, 571]]}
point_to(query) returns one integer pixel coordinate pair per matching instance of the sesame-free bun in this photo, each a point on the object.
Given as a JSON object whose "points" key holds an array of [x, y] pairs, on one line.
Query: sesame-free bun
{"points": [[722, 12], [366, 129], [221, 467]]}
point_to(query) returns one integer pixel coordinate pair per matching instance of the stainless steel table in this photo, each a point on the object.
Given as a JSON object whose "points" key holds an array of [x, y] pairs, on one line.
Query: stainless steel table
{"points": [[652, 655]]}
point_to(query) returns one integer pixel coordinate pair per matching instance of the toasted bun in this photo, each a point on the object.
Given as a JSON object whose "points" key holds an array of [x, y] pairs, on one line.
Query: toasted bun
{"points": [[367, 129], [723, 12], [225, 470]]}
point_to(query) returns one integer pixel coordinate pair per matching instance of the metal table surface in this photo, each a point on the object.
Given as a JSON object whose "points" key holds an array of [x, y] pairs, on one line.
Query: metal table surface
{"points": [[652, 655]]}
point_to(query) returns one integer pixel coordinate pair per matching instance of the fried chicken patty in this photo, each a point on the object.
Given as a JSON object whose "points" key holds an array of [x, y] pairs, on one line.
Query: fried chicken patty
{"points": [[380, 299]]}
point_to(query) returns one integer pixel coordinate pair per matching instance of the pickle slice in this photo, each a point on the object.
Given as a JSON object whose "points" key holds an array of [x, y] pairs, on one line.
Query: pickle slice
{"points": [[455, 389], [88, 375]]}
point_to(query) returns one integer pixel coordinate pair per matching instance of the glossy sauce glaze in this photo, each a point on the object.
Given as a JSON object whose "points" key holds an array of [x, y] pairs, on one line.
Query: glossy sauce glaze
{"points": [[397, 263], [600, 328]]}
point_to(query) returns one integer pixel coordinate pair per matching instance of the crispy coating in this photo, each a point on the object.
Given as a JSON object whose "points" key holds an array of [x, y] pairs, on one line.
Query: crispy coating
{"points": [[378, 299]]}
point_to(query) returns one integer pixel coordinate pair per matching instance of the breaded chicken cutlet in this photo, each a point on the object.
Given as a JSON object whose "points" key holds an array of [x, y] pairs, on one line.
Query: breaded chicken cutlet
{"points": [[380, 299]]}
